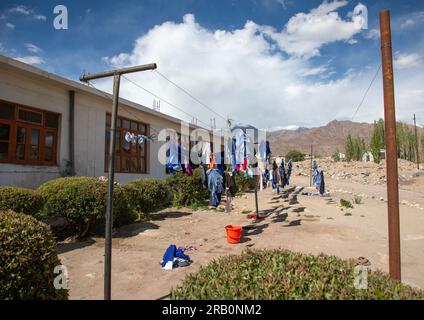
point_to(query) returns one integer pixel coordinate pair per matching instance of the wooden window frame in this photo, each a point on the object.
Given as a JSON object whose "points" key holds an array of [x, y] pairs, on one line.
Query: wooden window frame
{"points": [[15, 123], [142, 157]]}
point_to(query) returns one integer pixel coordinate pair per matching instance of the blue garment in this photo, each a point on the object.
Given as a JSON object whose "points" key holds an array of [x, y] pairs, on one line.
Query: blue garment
{"points": [[263, 150], [233, 153], [317, 179], [283, 175], [179, 253], [215, 186], [174, 152], [169, 255]]}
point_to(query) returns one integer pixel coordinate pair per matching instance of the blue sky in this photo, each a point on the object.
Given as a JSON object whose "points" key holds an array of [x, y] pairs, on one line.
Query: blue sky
{"points": [[302, 63]]}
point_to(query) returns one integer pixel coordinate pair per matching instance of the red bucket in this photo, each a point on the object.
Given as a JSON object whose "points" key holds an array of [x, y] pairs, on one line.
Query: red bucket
{"points": [[233, 233]]}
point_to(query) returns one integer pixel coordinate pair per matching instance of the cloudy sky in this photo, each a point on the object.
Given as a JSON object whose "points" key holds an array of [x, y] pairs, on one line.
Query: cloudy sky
{"points": [[271, 63]]}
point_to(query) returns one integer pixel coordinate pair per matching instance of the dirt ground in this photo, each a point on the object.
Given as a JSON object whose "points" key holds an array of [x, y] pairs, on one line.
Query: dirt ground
{"points": [[312, 225]]}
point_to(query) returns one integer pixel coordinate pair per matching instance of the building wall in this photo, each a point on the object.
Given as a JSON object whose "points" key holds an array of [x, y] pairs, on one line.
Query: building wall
{"points": [[18, 88], [90, 117]]}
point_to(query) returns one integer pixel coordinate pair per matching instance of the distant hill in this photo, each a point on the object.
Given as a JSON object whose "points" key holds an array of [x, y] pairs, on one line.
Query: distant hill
{"points": [[325, 140]]}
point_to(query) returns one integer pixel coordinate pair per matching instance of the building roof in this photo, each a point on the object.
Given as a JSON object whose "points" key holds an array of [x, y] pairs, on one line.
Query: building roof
{"points": [[24, 68]]}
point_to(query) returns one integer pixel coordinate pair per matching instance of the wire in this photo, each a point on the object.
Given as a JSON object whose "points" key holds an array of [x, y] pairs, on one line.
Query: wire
{"points": [[190, 95], [366, 92], [106, 95], [167, 102]]}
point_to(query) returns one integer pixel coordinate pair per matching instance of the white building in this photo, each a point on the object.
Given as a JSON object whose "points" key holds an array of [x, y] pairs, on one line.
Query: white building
{"points": [[368, 157], [50, 125]]}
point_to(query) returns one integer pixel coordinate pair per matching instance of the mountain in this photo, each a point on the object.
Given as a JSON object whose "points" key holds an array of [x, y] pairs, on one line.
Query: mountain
{"points": [[325, 140]]}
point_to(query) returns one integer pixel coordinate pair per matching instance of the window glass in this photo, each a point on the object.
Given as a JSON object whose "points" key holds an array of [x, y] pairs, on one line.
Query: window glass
{"points": [[20, 135], [134, 126], [125, 124], [49, 139], [4, 132], [20, 152], [48, 154], [35, 142], [134, 167], [30, 116], [108, 120], [7, 111], [52, 120], [4, 150]]}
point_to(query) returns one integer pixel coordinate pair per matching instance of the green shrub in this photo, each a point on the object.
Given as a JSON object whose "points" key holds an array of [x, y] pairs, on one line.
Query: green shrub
{"points": [[285, 275], [149, 195], [187, 190], [243, 183], [20, 200], [27, 259], [357, 199], [82, 200], [346, 203], [295, 155]]}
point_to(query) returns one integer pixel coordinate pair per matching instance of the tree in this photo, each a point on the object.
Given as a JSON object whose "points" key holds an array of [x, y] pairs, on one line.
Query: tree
{"points": [[336, 156], [377, 140], [350, 148], [295, 155]]}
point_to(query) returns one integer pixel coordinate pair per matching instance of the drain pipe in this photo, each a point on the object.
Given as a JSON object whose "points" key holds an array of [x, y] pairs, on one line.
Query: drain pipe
{"points": [[72, 132]]}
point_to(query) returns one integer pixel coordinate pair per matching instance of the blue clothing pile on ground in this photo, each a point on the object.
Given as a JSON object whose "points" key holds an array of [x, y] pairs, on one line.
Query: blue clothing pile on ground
{"points": [[174, 258]]}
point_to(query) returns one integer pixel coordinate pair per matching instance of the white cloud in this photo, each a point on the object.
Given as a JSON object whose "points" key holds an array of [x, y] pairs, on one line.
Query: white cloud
{"points": [[40, 17], [32, 60], [412, 20], [32, 48], [21, 9], [239, 73], [10, 25], [407, 60], [306, 33], [372, 34]]}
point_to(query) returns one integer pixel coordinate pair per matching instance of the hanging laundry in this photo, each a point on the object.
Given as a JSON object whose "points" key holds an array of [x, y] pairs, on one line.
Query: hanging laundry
{"points": [[244, 164], [188, 169], [215, 186], [231, 183], [322, 184], [212, 162], [263, 150]]}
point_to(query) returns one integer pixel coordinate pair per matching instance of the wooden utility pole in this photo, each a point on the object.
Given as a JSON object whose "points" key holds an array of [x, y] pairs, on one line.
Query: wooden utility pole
{"points": [[416, 143], [116, 74], [391, 147]]}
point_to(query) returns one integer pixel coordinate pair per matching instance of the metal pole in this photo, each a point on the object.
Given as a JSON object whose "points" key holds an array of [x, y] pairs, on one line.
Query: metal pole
{"points": [[111, 172], [310, 175], [391, 147], [111, 179], [416, 143], [112, 73], [256, 195]]}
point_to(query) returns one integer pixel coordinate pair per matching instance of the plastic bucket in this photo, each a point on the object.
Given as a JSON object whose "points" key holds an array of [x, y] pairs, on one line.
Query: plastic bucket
{"points": [[233, 233]]}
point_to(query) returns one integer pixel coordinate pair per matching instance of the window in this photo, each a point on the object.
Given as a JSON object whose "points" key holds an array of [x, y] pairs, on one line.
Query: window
{"points": [[129, 157], [27, 135]]}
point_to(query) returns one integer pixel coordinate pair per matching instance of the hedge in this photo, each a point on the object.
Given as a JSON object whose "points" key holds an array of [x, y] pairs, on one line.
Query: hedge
{"points": [[20, 200], [243, 183], [149, 195], [27, 259], [187, 190], [285, 275], [82, 200]]}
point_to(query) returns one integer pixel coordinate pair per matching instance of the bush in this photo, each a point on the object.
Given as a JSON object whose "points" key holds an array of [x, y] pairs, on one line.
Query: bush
{"points": [[243, 183], [187, 190], [149, 195], [27, 259], [82, 200], [285, 275], [20, 200], [295, 155], [357, 199], [346, 203]]}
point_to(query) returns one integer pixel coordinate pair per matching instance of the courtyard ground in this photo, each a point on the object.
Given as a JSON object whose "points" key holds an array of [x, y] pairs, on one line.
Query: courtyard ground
{"points": [[313, 224]]}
